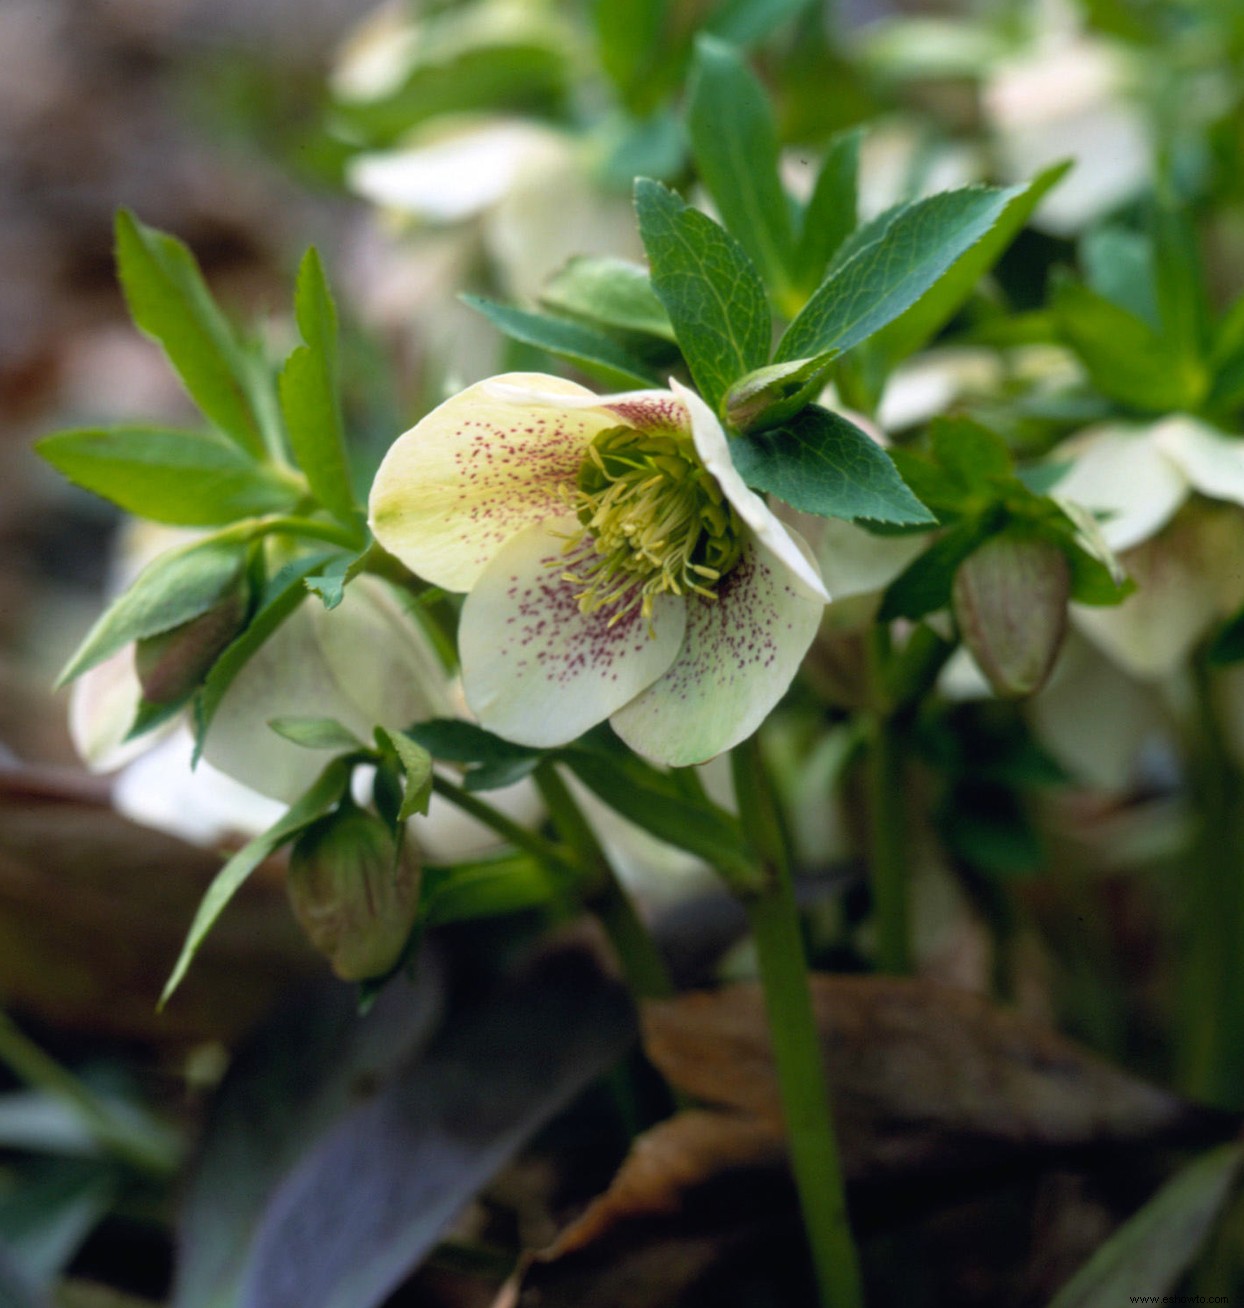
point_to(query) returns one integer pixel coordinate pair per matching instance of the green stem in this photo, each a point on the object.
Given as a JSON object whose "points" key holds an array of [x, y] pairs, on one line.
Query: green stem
{"points": [[602, 894], [887, 821], [563, 871], [797, 1050], [139, 1148], [887, 817], [1213, 983]]}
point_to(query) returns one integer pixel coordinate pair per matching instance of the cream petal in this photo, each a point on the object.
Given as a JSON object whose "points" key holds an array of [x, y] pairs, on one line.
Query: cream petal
{"points": [[103, 704], [1182, 589], [454, 178], [649, 411], [538, 671], [1094, 719], [481, 467], [1212, 462], [714, 451], [739, 655], [365, 663], [1124, 473]]}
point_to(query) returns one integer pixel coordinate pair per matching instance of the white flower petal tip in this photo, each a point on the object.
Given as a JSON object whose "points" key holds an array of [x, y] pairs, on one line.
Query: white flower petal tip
{"points": [[453, 178], [536, 669], [714, 451], [477, 470], [1211, 460], [1123, 474], [740, 653]]}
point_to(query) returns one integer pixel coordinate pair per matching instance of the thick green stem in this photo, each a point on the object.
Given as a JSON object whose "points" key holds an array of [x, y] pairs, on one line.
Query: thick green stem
{"points": [[797, 1050], [887, 841], [603, 895], [1213, 982]]}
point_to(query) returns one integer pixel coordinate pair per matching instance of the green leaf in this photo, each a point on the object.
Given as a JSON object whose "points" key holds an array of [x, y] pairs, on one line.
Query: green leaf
{"points": [[744, 22], [47, 1211], [975, 457], [176, 587], [186, 478], [170, 302], [734, 141], [484, 888], [1118, 264], [588, 349], [416, 766], [917, 245], [1154, 1248], [924, 585], [933, 310], [496, 762], [659, 803], [316, 733], [1179, 282], [330, 584], [832, 210], [460, 72], [613, 294], [327, 791], [1125, 358], [821, 463], [311, 398], [280, 598], [628, 38], [709, 287]]}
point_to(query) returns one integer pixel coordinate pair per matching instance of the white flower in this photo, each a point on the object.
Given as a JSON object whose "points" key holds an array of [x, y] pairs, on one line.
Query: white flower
{"points": [[1187, 578], [616, 564]]}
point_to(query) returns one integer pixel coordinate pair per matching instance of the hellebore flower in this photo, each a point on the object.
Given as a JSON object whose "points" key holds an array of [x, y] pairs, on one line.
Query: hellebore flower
{"points": [[1168, 492], [616, 564]]}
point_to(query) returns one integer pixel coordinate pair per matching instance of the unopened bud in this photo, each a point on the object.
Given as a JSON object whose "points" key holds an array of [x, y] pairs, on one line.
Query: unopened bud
{"points": [[1010, 601], [354, 893], [173, 663], [774, 393]]}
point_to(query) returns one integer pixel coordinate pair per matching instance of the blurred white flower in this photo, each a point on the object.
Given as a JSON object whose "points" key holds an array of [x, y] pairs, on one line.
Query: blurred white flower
{"points": [[1138, 479]]}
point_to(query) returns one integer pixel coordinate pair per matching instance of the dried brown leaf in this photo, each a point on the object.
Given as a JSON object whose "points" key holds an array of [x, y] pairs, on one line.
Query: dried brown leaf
{"points": [[927, 1079], [932, 1085], [692, 1188]]}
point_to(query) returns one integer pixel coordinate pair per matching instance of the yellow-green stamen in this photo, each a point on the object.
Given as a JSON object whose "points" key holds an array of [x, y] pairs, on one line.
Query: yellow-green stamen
{"points": [[654, 522]]}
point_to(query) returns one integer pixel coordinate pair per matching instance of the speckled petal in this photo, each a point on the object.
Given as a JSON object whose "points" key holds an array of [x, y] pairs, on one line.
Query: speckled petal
{"points": [[478, 469], [739, 655], [1124, 474], [649, 411], [535, 669], [714, 451], [1212, 461]]}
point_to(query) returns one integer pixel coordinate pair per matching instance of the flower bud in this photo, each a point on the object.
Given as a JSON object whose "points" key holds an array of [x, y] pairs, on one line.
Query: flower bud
{"points": [[354, 893], [1010, 601], [172, 664], [774, 393]]}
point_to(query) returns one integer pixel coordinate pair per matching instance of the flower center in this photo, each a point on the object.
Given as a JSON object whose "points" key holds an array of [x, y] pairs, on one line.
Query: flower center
{"points": [[654, 522]]}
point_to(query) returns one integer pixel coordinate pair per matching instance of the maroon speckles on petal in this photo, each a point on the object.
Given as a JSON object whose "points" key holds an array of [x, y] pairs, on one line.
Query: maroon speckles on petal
{"points": [[655, 412], [563, 641], [506, 475]]}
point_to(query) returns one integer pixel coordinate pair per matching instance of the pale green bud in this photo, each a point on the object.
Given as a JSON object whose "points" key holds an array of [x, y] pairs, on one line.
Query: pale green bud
{"points": [[172, 664], [354, 893], [1010, 601]]}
